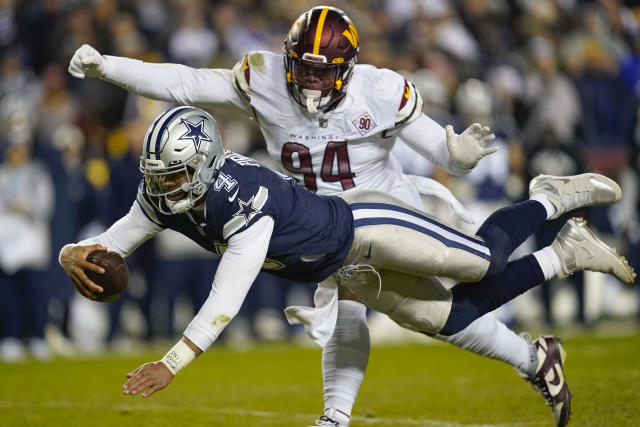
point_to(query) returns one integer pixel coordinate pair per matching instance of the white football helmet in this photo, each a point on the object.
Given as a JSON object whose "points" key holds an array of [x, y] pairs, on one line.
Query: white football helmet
{"points": [[181, 157]]}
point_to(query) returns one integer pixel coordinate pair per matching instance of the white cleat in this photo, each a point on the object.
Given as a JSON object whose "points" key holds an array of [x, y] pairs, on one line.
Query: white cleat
{"points": [[326, 422], [567, 193], [580, 249], [329, 418]]}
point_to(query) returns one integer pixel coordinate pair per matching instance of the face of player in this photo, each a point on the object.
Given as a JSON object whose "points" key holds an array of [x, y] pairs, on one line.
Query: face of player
{"points": [[176, 185], [315, 77]]}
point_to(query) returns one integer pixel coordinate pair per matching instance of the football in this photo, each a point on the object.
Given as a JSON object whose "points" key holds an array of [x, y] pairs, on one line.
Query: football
{"points": [[115, 279]]}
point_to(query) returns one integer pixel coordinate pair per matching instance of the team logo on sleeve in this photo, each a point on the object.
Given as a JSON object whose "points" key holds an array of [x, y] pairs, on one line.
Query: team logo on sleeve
{"points": [[248, 210], [364, 123]]}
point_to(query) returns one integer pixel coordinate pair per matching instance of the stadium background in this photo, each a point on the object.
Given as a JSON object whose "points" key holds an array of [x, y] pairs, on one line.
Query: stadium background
{"points": [[558, 82]]}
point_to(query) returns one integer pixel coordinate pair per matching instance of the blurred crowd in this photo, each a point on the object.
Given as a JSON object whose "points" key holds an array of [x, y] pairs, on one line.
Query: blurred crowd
{"points": [[558, 81]]}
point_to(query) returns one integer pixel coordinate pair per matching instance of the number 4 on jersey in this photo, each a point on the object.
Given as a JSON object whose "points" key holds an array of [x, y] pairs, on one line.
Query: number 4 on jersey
{"points": [[334, 151]]}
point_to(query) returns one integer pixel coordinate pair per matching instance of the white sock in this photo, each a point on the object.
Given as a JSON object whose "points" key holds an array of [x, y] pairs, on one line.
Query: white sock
{"points": [[544, 201], [344, 360], [549, 262], [489, 337]]}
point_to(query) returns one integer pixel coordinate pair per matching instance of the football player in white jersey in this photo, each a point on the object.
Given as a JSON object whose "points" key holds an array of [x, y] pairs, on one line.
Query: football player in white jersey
{"points": [[331, 123]]}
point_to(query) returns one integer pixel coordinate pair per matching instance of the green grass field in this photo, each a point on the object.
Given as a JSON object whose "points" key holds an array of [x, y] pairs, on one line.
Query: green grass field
{"points": [[280, 385]]}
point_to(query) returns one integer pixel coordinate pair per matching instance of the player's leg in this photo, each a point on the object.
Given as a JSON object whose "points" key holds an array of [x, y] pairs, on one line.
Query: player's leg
{"points": [[423, 305], [392, 235], [489, 337], [576, 248], [550, 197], [344, 360]]}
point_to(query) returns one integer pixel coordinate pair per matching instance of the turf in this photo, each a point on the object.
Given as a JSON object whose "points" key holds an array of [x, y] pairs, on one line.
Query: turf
{"points": [[280, 385]]}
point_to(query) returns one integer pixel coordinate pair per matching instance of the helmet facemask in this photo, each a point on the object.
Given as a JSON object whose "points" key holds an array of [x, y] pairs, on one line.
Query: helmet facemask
{"points": [[316, 84], [175, 189]]}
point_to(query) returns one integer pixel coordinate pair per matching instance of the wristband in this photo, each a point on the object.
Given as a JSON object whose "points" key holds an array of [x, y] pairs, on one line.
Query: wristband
{"points": [[178, 357]]}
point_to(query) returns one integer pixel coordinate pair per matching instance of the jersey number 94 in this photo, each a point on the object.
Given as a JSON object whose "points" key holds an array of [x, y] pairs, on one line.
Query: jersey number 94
{"points": [[293, 152]]}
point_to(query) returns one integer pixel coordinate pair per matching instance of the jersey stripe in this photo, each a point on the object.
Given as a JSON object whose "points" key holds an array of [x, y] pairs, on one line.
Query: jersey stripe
{"points": [[405, 95], [246, 68], [380, 213], [316, 41]]}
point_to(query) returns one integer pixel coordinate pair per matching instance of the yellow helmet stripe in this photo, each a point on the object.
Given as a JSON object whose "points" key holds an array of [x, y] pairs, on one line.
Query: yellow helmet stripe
{"points": [[316, 42], [352, 35]]}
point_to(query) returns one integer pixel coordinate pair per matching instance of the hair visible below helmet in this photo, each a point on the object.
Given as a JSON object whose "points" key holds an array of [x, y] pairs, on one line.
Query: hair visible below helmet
{"points": [[322, 41], [183, 145]]}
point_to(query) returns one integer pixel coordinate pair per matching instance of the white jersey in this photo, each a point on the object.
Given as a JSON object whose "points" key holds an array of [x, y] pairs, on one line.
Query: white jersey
{"points": [[327, 152], [347, 147]]}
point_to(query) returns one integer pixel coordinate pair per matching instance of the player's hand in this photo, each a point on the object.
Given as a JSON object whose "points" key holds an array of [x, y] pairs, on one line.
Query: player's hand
{"points": [[87, 62], [74, 262], [148, 378], [468, 148]]}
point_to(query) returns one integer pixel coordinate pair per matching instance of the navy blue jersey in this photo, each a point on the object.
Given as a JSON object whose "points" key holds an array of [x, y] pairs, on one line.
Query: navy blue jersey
{"points": [[312, 234]]}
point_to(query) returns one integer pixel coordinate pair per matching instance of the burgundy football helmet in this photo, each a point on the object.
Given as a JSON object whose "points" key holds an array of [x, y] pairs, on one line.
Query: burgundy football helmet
{"points": [[319, 54]]}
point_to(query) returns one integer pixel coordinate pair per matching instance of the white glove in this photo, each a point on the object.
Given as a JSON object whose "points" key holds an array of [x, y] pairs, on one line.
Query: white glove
{"points": [[467, 149], [87, 62]]}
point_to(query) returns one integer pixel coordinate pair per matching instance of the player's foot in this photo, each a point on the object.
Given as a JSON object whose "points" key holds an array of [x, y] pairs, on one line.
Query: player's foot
{"points": [[580, 249], [331, 417], [12, 350], [567, 193], [326, 421], [549, 378]]}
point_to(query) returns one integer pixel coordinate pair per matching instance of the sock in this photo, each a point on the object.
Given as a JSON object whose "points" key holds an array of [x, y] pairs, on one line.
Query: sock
{"points": [[472, 300], [543, 199], [508, 228], [489, 337], [344, 360], [549, 262]]}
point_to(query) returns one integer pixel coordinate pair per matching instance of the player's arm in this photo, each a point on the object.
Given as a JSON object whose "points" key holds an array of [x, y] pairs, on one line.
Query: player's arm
{"points": [[123, 237], [239, 266], [457, 154], [173, 83]]}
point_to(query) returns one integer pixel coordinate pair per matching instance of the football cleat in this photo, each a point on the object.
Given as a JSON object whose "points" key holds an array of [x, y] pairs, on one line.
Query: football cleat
{"points": [[580, 249], [549, 379], [326, 421], [567, 193], [329, 418]]}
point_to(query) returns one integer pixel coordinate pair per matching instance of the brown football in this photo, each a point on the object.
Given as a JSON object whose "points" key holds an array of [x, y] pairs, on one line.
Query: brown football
{"points": [[116, 274]]}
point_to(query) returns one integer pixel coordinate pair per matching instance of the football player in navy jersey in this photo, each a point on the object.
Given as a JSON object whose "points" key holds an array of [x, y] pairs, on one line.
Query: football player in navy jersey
{"points": [[331, 122], [382, 250]]}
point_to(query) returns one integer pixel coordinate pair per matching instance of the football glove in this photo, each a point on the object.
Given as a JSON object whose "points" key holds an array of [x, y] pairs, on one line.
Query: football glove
{"points": [[468, 148], [87, 62]]}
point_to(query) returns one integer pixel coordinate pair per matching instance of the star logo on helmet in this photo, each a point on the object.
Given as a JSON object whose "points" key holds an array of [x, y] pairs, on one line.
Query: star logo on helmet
{"points": [[195, 132]]}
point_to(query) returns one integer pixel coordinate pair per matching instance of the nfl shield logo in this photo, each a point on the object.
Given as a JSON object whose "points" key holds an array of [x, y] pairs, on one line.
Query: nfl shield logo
{"points": [[364, 123]]}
